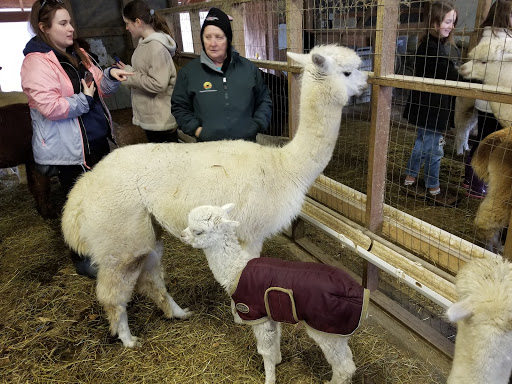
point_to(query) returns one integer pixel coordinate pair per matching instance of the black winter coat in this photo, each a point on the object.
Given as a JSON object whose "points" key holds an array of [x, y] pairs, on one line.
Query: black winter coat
{"points": [[433, 111]]}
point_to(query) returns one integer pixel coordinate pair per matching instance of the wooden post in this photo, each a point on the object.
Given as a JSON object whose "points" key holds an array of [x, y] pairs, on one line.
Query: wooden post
{"points": [[294, 43], [237, 12], [385, 42], [195, 26], [298, 231]]}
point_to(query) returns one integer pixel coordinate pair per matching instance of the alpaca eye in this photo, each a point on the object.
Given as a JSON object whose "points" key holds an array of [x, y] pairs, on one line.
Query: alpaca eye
{"points": [[347, 73], [197, 233], [484, 62]]}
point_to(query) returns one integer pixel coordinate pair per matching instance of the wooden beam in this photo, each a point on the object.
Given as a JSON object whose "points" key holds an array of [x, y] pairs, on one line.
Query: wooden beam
{"points": [[429, 242], [201, 6], [495, 93], [14, 17], [26, 4]]}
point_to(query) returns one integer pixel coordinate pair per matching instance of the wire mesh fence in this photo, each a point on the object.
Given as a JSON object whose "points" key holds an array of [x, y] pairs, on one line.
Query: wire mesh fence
{"points": [[435, 225]]}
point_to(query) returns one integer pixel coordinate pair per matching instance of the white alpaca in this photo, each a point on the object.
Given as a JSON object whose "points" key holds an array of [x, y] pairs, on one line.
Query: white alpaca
{"points": [[491, 62], [483, 346], [114, 213], [297, 288]]}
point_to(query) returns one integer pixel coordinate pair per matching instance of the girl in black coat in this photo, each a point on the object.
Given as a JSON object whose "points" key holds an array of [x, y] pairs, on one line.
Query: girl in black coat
{"points": [[432, 112]]}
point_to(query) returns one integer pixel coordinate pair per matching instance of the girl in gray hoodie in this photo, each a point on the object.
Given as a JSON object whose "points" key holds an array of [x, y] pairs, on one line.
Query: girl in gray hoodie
{"points": [[154, 72]]}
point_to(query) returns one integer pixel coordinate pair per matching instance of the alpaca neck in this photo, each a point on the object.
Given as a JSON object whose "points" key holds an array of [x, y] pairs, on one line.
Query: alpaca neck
{"points": [[226, 260], [321, 103]]}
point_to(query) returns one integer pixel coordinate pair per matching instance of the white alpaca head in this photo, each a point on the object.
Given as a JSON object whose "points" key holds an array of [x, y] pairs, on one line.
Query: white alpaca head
{"points": [[340, 63], [484, 321], [487, 59], [208, 225]]}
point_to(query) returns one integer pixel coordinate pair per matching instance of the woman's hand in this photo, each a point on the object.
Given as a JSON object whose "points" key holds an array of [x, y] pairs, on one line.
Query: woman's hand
{"points": [[119, 65], [88, 90], [198, 131], [120, 74]]}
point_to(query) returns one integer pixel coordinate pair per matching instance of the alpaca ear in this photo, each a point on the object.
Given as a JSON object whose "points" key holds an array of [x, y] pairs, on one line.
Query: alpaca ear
{"points": [[318, 60], [300, 58], [233, 223], [460, 310], [228, 207]]}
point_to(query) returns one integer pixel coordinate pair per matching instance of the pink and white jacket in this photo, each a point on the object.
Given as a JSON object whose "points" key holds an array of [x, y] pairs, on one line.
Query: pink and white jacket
{"points": [[55, 108]]}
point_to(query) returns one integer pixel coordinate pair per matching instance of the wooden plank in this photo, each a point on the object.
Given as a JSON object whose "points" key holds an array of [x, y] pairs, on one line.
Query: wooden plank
{"points": [[431, 243], [14, 17], [340, 230], [427, 333], [201, 6], [474, 91], [27, 4]]}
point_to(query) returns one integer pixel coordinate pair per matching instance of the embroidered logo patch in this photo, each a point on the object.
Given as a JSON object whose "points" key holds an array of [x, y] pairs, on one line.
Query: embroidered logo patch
{"points": [[207, 85], [242, 308]]}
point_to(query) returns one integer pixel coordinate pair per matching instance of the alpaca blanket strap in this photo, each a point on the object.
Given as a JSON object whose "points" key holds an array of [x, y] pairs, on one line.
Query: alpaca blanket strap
{"points": [[324, 297]]}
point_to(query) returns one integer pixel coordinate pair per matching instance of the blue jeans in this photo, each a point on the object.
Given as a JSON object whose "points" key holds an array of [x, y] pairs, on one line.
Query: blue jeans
{"points": [[428, 149]]}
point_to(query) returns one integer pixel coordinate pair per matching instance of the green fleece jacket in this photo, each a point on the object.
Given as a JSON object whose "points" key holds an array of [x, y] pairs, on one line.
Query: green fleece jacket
{"points": [[231, 105]]}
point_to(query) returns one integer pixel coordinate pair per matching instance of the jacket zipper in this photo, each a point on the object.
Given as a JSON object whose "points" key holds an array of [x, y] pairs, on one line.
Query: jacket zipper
{"points": [[85, 141]]}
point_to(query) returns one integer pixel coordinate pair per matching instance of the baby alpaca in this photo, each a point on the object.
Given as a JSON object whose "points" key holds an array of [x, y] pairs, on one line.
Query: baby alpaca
{"points": [[483, 347], [325, 298]]}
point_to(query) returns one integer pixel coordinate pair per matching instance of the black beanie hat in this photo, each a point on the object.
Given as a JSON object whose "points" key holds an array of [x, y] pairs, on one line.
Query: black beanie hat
{"points": [[219, 19]]}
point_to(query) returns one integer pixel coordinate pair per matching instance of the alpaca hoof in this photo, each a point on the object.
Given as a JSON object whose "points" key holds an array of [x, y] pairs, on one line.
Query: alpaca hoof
{"points": [[133, 342], [183, 313]]}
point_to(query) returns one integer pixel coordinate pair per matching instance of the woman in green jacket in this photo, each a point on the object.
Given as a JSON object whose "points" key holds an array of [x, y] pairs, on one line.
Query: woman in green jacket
{"points": [[221, 95]]}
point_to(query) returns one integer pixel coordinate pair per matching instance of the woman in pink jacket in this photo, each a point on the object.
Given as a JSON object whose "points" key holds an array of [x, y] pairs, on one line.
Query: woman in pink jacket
{"points": [[70, 121]]}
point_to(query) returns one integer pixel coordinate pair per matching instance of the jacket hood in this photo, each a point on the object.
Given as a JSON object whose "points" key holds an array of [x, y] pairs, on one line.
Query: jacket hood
{"points": [[209, 62], [36, 45], [162, 38]]}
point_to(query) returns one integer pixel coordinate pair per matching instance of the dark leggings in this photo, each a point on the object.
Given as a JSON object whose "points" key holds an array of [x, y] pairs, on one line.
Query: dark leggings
{"points": [[487, 124], [69, 173], [162, 136]]}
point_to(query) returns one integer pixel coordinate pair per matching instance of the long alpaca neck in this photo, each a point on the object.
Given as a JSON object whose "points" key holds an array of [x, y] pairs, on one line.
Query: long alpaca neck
{"points": [[226, 260], [321, 103]]}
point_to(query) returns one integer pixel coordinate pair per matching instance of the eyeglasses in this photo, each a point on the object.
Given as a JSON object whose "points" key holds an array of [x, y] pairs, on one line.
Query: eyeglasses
{"points": [[46, 2]]}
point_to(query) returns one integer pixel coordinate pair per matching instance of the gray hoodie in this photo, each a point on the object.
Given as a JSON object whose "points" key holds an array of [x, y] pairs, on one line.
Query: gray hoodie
{"points": [[153, 82]]}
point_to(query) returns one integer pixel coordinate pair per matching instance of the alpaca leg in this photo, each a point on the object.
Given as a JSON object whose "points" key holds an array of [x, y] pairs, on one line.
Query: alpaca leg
{"points": [[494, 212], [114, 288], [267, 338], [337, 353], [151, 284]]}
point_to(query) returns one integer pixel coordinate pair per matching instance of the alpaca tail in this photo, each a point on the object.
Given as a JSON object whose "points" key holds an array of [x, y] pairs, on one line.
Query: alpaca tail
{"points": [[72, 216], [480, 160]]}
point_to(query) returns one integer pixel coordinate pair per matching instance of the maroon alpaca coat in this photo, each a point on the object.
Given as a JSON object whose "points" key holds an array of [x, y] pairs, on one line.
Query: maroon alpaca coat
{"points": [[324, 297]]}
